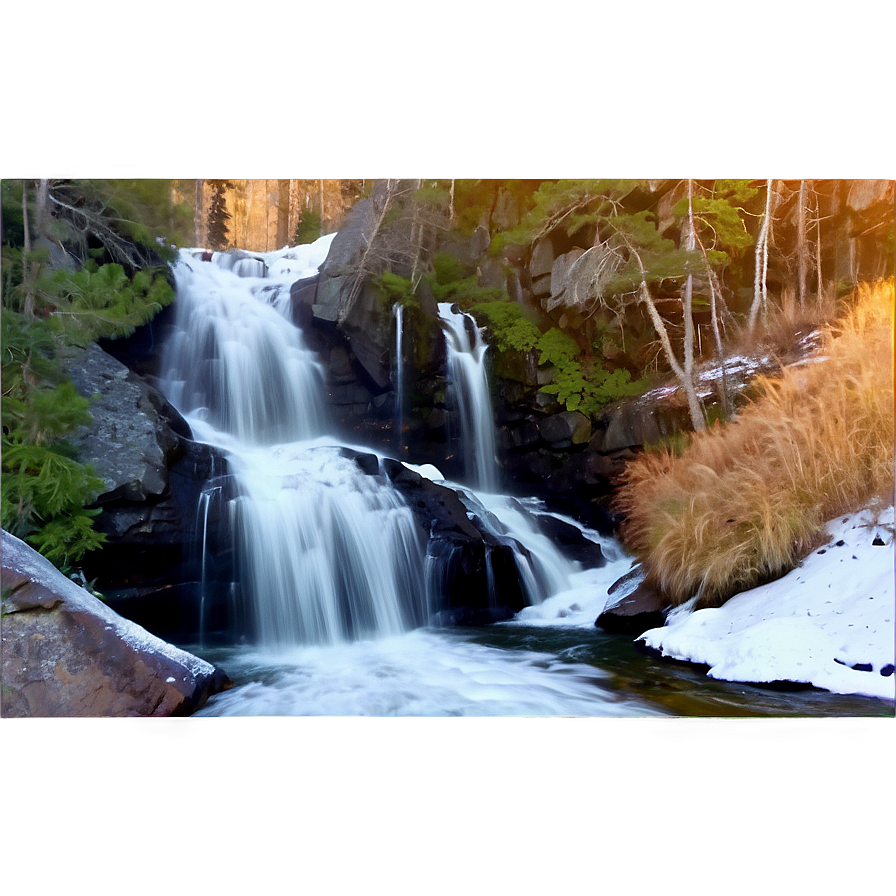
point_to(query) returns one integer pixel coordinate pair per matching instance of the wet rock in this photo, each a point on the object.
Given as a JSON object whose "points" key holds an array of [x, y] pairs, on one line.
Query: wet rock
{"points": [[568, 426], [637, 606], [571, 541], [467, 565], [67, 654], [471, 617]]}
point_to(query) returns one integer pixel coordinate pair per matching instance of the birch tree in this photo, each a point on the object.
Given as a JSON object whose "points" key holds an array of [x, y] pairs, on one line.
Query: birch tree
{"points": [[760, 277]]}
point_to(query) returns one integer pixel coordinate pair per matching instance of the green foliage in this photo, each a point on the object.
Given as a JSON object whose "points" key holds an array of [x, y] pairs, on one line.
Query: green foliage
{"points": [[466, 292], [581, 382], [397, 290], [717, 218], [102, 302], [13, 219], [309, 227], [218, 216], [575, 204], [44, 489], [448, 269], [510, 329], [557, 348]]}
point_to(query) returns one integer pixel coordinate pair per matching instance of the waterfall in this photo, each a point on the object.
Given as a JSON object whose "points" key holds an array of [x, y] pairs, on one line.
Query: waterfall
{"points": [[469, 382], [325, 553], [398, 312], [234, 363]]}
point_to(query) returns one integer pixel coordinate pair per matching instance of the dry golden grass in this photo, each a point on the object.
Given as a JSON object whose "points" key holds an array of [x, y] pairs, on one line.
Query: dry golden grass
{"points": [[747, 500]]}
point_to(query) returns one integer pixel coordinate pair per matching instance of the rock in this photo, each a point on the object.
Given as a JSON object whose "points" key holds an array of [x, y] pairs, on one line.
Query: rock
{"points": [[571, 541], [480, 241], [302, 299], [560, 270], [506, 213], [471, 617], [129, 443], [437, 423], [638, 606], [863, 194], [350, 394], [141, 351], [340, 366], [546, 403], [470, 568], [343, 258], [541, 288], [568, 426], [491, 273], [523, 436], [542, 260], [639, 422], [67, 654]]}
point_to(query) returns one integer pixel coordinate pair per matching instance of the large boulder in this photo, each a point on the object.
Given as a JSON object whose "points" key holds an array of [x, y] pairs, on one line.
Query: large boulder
{"points": [[635, 605], [129, 443], [345, 256], [559, 273], [865, 194], [153, 474], [64, 653], [351, 304]]}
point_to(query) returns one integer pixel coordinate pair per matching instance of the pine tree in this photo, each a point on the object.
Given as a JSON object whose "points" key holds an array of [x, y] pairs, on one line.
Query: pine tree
{"points": [[218, 216]]}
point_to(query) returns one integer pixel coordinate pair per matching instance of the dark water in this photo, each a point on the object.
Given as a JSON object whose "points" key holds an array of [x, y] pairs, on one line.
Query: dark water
{"points": [[679, 689]]}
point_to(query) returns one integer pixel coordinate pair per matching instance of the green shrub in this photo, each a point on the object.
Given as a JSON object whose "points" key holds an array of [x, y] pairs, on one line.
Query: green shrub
{"points": [[44, 488], [397, 290], [510, 329], [581, 382]]}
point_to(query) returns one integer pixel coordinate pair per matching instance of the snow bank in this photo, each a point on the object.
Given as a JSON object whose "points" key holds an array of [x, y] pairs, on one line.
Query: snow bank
{"points": [[828, 623]]}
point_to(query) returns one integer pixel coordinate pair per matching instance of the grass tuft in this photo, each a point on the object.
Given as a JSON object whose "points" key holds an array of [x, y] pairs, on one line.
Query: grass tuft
{"points": [[747, 500]]}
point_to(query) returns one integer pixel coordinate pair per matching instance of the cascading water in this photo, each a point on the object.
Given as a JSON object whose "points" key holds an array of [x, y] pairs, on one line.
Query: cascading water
{"points": [[469, 381], [334, 569], [327, 553], [398, 312]]}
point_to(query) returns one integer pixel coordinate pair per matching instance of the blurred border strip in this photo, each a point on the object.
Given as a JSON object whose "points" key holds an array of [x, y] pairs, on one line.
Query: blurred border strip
{"points": [[465, 88]]}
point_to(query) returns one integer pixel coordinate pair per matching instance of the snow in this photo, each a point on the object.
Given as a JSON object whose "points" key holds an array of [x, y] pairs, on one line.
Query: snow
{"points": [[427, 471], [297, 262], [832, 613]]}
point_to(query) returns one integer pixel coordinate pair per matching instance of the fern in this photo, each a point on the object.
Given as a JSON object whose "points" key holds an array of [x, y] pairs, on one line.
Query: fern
{"points": [[510, 329]]}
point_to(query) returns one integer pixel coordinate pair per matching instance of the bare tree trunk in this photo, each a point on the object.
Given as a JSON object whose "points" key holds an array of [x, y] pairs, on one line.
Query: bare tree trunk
{"points": [[27, 228], [684, 376], [417, 234], [451, 205], [198, 209], [715, 296], [689, 290], [760, 288], [803, 243], [820, 287], [43, 192], [28, 306], [321, 183]]}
